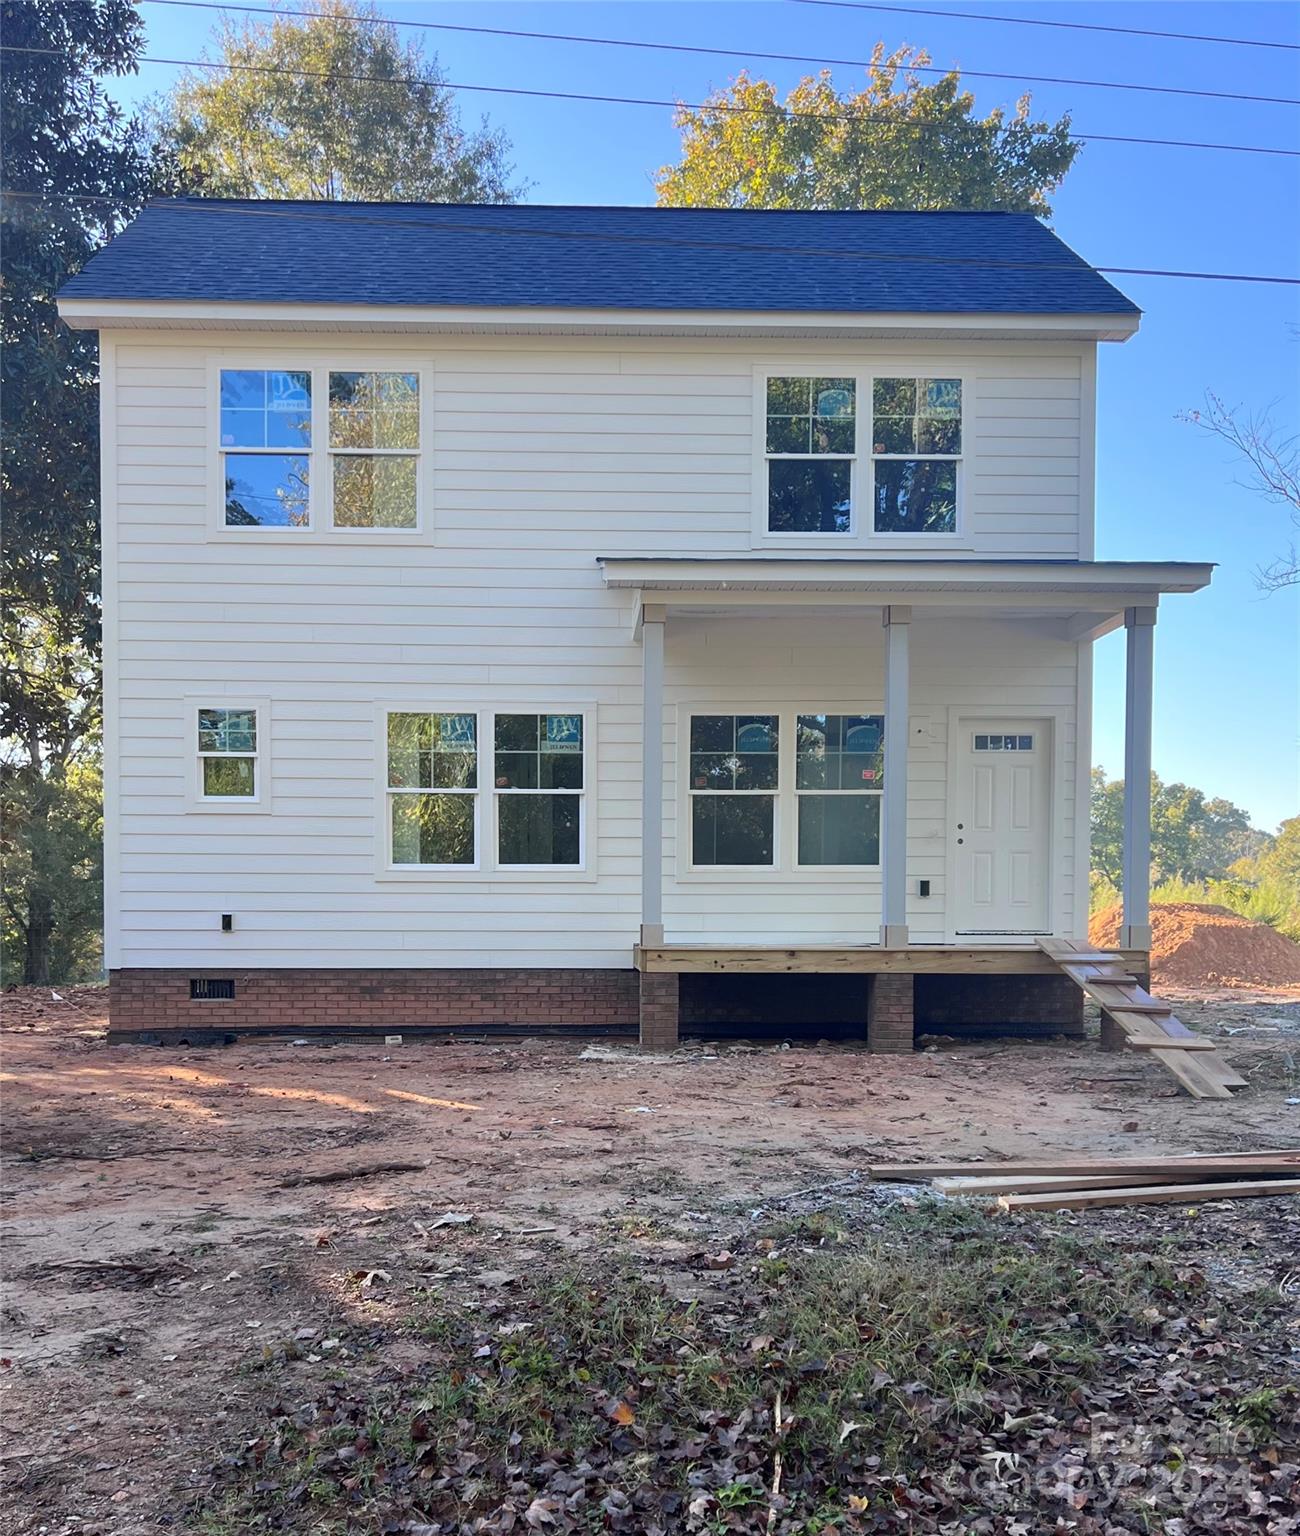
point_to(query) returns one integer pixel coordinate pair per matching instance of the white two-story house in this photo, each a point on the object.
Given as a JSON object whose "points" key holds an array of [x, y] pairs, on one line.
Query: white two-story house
{"points": [[592, 617]]}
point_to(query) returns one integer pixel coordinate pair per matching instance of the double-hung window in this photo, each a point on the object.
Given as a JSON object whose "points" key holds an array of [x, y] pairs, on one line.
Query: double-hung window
{"points": [[433, 784], [811, 445], [320, 450], [538, 778], [839, 763], [915, 448], [734, 780], [266, 439], [227, 754], [374, 443]]}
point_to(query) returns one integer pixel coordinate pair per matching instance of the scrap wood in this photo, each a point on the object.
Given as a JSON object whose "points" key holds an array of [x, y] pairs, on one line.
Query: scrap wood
{"points": [[1200, 1163], [1046, 1183], [1147, 1194], [342, 1175], [1166, 1043]]}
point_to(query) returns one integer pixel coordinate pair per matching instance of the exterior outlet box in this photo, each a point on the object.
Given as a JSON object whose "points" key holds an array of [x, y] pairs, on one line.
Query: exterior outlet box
{"points": [[227, 922], [923, 888]]}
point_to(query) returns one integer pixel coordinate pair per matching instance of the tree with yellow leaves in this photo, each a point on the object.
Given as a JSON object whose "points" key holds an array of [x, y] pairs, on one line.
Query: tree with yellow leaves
{"points": [[897, 143]]}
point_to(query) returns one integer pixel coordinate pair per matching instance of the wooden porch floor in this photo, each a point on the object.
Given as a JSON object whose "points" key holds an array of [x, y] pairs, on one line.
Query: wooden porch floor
{"points": [[862, 959]]}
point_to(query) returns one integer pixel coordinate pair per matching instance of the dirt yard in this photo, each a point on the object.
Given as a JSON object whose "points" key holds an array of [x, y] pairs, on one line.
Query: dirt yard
{"points": [[195, 1238]]}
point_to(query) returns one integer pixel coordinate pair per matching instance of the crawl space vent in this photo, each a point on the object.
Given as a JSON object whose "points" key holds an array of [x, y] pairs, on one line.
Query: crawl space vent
{"points": [[203, 990]]}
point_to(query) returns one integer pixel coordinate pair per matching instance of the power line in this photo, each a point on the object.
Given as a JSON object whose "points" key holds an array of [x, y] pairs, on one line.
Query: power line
{"points": [[650, 101], [244, 209], [732, 53], [1035, 21]]}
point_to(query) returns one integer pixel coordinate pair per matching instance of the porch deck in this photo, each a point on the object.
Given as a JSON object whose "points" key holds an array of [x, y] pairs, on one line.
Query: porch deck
{"points": [[863, 959]]}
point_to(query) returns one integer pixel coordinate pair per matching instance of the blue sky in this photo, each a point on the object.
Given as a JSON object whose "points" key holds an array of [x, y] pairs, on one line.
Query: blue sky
{"points": [[1228, 661]]}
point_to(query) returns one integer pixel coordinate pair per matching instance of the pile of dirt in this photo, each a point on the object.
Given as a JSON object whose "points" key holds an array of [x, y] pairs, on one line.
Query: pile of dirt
{"points": [[1194, 944]]}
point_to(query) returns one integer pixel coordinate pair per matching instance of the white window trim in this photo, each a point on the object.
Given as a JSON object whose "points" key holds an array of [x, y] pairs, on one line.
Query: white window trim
{"points": [[487, 868], [861, 535], [261, 799], [320, 492], [785, 867]]}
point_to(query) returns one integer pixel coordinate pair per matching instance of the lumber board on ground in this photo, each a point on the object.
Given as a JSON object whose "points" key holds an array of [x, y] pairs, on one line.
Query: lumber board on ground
{"points": [[1048, 1183], [1166, 1043], [1149, 1194], [1239, 1163]]}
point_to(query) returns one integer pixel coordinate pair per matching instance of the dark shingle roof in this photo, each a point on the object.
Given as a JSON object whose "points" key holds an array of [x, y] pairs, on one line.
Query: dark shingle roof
{"points": [[604, 258]]}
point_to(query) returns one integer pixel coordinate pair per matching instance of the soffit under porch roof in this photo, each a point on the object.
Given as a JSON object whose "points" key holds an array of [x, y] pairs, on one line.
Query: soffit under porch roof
{"points": [[1088, 596]]}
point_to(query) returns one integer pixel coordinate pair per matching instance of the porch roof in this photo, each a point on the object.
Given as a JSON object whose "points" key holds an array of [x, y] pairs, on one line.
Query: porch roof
{"points": [[904, 579]]}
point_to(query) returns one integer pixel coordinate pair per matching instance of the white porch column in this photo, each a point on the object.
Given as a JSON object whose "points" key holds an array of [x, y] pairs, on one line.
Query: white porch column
{"points": [[1140, 632], [652, 774], [893, 819]]}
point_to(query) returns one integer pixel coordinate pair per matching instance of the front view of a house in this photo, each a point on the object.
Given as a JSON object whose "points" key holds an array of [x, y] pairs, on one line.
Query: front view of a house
{"points": [[536, 616]]}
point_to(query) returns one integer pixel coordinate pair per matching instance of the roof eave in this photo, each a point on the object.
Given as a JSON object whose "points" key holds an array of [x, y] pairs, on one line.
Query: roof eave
{"points": [[854, 576], [185, 314]]}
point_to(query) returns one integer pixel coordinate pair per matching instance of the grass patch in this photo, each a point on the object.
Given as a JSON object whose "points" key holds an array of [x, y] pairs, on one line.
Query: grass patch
{"points": [[593, 1399]]}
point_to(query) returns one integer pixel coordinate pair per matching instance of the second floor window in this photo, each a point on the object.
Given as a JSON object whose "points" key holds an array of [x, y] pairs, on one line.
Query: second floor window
{"points": [[316, 449], [810, 447], [266, 447], [374, 441], [915, 446]]}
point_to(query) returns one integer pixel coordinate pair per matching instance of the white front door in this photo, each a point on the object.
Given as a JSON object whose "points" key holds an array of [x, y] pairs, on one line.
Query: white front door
{"points": [[1002, 818]]}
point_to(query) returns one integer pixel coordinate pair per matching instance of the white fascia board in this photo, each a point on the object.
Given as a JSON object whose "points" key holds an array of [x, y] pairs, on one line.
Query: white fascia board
{"points": [[964, 577], [100, 314]]}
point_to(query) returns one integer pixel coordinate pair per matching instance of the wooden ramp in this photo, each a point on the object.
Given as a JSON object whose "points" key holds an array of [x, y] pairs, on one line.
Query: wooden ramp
{"points": [[1146, 1023]]}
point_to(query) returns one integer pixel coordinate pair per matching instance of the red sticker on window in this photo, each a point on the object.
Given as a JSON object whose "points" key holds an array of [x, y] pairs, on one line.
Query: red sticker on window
{"points": [[868, 773]]}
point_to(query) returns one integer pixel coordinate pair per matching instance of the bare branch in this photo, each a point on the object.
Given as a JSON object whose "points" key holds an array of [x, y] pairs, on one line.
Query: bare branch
{"points": [[1273, 458]]}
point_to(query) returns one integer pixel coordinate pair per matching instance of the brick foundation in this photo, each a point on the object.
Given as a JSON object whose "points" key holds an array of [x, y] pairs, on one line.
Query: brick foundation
{"points": [[387, 1001], [890, 1023], [886, 1009], [659, 1007]]}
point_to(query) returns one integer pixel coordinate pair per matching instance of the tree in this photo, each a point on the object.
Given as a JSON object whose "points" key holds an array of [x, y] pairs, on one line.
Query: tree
{"points": [[1273, 459], [1192, 838], [52, 843], [898, 143], [74, 172], [332, 107]]}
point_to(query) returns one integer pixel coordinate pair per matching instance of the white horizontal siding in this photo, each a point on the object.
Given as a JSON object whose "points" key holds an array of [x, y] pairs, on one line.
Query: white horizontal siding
{"points": [[544, 455]]}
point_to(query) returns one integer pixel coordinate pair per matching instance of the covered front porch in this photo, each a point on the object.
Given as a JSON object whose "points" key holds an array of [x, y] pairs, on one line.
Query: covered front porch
{"points": [[998, 886]]}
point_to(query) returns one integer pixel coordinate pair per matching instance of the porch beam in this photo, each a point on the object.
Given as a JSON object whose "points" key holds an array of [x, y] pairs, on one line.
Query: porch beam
{"points": [[653, 619], [1140, 631], [1091, 626], [893, 817]]}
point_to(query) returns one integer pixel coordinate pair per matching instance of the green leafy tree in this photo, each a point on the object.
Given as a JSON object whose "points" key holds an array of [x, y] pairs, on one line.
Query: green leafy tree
{"points": [[897, 143], [74, 172], [51, 839], [1192, 838], [332, 107]]}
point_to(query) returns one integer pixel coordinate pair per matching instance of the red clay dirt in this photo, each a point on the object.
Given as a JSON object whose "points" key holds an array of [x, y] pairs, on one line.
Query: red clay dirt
{"points": [[1197, 945], [158, 1237]]}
